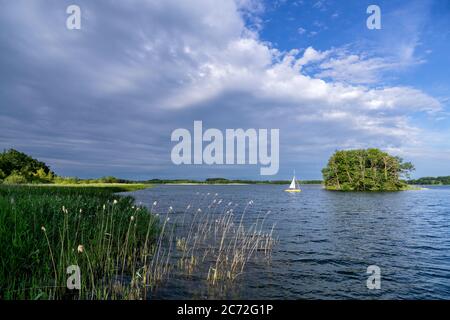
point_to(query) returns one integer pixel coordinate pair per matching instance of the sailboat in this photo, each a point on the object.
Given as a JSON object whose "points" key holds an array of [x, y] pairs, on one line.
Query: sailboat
{"points": [[293, 187]]}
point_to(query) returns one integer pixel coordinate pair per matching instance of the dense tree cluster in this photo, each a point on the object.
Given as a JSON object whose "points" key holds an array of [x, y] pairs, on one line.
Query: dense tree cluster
{"points": [[17, 167], [365, 170]]}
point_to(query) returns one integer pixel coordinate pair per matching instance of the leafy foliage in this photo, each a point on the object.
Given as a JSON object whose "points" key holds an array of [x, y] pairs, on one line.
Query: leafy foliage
{"points": [[365, 170], [17, 167], [15, 178]]}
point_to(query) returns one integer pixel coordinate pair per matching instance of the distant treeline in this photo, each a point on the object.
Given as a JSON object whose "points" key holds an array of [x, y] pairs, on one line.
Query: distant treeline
{"points": [[19, 168], [431, 181], [227, 181]]}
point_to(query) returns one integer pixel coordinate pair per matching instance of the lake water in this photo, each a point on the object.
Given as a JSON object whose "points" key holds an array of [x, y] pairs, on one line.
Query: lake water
{"points": [[326, 242]]}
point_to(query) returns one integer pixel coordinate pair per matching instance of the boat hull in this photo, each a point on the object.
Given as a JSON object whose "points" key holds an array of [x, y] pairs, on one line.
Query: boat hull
{"points": [[293, 190]]}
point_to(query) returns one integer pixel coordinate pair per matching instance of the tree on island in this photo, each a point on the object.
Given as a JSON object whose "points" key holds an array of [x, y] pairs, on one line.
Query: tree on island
{"points": [[365, 170]]}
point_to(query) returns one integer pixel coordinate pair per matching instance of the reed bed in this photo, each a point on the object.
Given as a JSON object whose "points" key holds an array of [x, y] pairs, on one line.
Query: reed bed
{"points": [[123, 250], [44, 230], [218, 240]]}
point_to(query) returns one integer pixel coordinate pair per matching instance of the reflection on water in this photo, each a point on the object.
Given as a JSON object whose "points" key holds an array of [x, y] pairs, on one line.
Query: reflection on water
{"points": [[326, 242]]}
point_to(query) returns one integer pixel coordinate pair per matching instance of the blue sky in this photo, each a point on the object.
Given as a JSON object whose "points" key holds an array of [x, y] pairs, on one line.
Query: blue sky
{"points": [[104, 100]]}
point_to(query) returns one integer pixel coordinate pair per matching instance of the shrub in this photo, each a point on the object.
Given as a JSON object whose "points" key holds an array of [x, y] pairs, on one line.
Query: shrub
{"points": [[15, 178]]}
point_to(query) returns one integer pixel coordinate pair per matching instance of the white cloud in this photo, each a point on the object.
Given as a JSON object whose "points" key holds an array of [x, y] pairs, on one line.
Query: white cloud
{"points": [[301, 30], [311, 55]]}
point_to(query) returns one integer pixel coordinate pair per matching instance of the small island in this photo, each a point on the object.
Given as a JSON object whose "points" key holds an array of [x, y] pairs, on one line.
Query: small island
{"points": [[366, 170]]}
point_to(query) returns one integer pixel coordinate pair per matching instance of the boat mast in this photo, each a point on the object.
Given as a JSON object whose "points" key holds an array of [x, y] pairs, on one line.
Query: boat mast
{"points": [[296, 184]]}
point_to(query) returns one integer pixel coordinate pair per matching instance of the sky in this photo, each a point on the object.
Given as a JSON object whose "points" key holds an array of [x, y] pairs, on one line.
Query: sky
{"points": [[104, 99]]}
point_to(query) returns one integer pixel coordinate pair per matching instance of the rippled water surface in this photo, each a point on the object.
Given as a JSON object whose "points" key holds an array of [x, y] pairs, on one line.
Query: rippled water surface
{"points": [[327, 240]]}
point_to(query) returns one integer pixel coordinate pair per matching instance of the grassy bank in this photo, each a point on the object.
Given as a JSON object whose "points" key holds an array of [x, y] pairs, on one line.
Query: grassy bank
{"points": [[45, 229], [111, 187]]}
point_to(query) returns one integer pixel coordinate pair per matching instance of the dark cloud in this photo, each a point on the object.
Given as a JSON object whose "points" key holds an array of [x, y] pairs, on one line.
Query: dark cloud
{"points": [[104, 100]]}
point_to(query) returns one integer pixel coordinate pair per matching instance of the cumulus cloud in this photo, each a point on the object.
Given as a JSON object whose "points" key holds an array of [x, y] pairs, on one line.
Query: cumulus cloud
{"points": [[103, 100], [301, 30]]}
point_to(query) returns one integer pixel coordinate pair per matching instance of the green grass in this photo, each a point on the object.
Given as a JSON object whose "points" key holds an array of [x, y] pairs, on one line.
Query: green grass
{"points": [[410, 187], [45, 229], [114, 187]]}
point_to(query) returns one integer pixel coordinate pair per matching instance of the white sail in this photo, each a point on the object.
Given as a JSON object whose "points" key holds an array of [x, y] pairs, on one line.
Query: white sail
{"points": [[292, 185]]}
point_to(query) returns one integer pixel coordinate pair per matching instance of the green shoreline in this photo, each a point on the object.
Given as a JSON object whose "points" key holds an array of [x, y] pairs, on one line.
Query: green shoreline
{"points": [[406, 188], [124, 187], [44, 228], [114, 187]]}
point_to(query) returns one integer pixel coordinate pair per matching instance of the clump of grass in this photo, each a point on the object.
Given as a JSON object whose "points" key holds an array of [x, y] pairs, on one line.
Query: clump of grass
{"points": [[218, 238], [44, 230]]}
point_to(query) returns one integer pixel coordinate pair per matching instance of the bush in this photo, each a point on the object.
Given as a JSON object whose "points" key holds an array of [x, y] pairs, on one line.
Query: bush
{"points": [[65, 180], [42, 177], [15, 178]]}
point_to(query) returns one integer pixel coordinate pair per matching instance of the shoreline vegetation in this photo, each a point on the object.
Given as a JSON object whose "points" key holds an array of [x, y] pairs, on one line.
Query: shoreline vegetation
{"points": [[44, 231], [69, 238], [122, 250], [18, 168], [112, 187]]}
